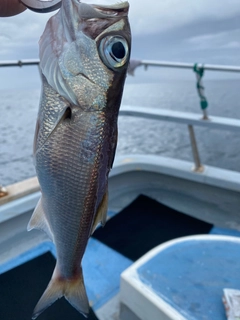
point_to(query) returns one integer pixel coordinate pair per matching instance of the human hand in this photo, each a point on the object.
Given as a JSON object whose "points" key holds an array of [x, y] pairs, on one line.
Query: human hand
{"points": [[11, 8]]}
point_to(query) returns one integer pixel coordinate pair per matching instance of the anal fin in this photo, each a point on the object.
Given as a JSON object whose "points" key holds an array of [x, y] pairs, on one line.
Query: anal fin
{"points": [[101, 215], [39, 221]]}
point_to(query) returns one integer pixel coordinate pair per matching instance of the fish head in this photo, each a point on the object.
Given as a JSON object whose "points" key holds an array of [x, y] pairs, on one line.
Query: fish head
{"points": [[85, 51]]}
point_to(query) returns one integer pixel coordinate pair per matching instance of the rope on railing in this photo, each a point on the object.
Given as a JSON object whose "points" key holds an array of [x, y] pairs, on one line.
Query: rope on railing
{"points": [[200, 89]]}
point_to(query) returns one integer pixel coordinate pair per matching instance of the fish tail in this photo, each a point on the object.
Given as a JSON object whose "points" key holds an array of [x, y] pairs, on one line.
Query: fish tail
{"points": [[72, 289], [76, 294]]}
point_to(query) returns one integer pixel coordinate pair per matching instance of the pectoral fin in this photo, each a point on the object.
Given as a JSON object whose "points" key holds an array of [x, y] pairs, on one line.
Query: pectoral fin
{"points": [[48, 124], [101, 215], [39, 221]]}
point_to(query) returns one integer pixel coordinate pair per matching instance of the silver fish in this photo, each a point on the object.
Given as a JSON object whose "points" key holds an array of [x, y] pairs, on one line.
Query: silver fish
{"points": [[84, 54]]}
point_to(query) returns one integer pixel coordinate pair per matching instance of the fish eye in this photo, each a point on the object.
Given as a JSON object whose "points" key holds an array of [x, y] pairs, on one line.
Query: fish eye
{"points": [[114, 51]]}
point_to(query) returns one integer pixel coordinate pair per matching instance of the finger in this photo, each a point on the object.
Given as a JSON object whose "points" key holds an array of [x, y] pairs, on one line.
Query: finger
{"points": [[42, 6], [10, 8]]}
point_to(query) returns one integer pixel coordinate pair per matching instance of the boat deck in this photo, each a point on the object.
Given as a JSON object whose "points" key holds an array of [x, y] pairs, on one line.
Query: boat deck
{"points": [[127, 236]]}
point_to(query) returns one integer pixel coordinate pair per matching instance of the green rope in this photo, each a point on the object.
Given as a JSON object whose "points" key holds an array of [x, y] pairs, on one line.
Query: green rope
{"points": [[200, 88], [198, 70]]}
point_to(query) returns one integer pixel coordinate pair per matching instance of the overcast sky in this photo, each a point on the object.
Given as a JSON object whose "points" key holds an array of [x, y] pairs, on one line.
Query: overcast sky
{"points": [[205, 31]]}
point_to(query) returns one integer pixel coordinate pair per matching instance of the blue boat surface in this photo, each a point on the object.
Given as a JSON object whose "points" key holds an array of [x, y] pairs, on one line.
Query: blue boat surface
{"points": [[182, 279]]}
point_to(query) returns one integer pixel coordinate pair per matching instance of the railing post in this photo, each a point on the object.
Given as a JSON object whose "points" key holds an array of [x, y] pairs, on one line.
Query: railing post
{"points": [[198, 167]]}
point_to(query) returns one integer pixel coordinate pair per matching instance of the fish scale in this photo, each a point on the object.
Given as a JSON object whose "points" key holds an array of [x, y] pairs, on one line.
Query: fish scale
{"points": [[83, 187], [76, 134]]}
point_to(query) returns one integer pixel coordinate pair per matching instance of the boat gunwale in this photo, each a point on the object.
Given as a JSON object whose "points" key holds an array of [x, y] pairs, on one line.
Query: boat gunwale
{"points": [[25, 199]]}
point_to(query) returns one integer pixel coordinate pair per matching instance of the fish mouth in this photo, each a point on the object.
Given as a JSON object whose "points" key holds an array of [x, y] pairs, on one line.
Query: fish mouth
{"points": [[113, 9], [95, 11]]}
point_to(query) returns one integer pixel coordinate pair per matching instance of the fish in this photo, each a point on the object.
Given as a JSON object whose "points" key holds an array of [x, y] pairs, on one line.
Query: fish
{"points": [[84, 55]]}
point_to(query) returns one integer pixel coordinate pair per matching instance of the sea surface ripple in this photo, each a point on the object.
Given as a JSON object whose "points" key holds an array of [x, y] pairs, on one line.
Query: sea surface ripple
{"points": [[217, 148]]}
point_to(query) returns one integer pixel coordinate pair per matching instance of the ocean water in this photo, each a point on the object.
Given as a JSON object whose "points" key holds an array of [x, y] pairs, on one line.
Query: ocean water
{"points": [[218, 148]]}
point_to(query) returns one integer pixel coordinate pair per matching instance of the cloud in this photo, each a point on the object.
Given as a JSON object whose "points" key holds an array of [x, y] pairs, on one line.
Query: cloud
{"points": [[232, 45], [19, 35], [19, 32], [157, 16], [221, 40]]}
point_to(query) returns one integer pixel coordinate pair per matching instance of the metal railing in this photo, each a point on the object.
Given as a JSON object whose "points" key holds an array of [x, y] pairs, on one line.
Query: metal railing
{"points": [[190, 119], [199, 69], [166, 115], [146, 63], [167, 64], [19, 63]]}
